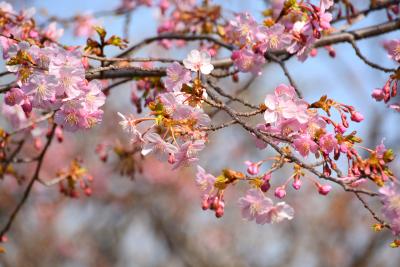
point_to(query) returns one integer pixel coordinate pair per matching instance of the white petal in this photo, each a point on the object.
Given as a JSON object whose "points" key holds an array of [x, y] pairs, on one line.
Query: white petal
{"points": [[206, 68]]}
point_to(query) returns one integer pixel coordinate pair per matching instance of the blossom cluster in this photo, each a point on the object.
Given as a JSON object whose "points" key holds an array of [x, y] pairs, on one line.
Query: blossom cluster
{"points": [[176, 132], [53, 79], [297, 38]]}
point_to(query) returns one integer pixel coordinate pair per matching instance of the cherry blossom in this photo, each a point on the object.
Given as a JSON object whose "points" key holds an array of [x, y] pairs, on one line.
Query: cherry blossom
{"points": [[176, 77], [199, 61], [390, 196]]}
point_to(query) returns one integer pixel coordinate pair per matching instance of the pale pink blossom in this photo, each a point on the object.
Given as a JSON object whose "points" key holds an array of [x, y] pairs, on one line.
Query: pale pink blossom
{"points": [[256, 206], [176, 77], [204, 180], [84, 25], [128, 124], [390, 197], [273, 38], [199, 61], [154, 143]]}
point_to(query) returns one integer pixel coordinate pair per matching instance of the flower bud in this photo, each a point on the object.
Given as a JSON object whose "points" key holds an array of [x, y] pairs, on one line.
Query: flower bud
{"points": [[378, 94], [27, 107], [356, 116], [265, 186], [252, 168], [296, 184], [324, 189], [280, 192]]}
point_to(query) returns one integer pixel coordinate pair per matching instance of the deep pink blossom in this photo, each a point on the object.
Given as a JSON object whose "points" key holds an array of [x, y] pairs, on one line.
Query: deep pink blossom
{"points": [[328, 143], [304, 145]]}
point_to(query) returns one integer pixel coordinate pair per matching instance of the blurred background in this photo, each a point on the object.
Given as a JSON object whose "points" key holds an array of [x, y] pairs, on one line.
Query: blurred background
{"points": [[154, 217]]}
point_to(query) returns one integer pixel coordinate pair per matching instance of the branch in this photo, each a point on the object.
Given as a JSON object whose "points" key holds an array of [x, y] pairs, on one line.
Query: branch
{"points": [[30, 185]]}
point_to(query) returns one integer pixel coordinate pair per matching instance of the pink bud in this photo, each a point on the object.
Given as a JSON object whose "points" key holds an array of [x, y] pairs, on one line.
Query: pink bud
{"points": [[171, 159], [297, 184], [356, 116], [88, 191], [59, 134], [265, 186], [266, 176], [3, 239], [324, 189], [313, 52], [205, 204], [252, 168], [27, 107], [235, 55], [280, 192], [378, 94], [340, 128], [219, 212], [343, 148]]}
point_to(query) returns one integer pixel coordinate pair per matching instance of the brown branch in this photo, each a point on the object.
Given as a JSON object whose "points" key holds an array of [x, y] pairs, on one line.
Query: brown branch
{"points": [[174, 36], [366, 11], [30, 185], [366, 61], [365, 204], [114, 72]]}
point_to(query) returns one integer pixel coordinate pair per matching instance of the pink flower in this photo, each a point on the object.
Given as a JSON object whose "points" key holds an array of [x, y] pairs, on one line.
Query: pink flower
{"points": [[244, 28], [15, 115], [283, 104], [84, 26], [280, 212], [14, 96], [304, 145], [303, 39], [42, 88], [393, 49], [154, 143], [128, 124], [187, 153], [176, 77], [328, 143], [255, 206], [273, 38], [199, 61], [52, 32], [390, 196], [204, 180], [253, 168], [326, 4], [248, 61]]}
